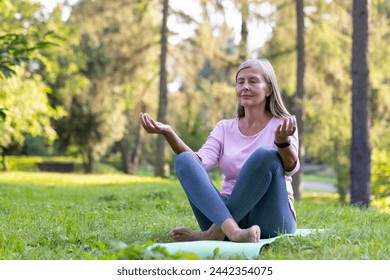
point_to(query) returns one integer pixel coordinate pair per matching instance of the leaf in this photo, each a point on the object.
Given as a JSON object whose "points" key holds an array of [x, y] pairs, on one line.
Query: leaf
{"points": [[6, 71]]}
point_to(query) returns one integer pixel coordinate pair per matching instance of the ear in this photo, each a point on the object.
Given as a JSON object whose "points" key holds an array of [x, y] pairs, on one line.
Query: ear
{"points": [[269, 91]]}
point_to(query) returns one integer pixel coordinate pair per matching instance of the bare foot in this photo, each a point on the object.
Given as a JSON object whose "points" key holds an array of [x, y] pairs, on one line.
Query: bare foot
{"points": [[251, 234], [185, 234]]}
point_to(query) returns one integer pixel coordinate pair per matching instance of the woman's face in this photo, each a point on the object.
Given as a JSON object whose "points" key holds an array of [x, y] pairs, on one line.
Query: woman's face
{"points": [[251, 88]]}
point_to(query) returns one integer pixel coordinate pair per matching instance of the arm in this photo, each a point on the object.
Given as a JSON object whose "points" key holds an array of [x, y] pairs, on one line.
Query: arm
{"points": [[282, 135], [151, 126]]}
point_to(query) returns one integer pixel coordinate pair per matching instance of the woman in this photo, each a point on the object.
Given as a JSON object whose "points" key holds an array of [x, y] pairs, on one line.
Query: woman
{"points": [[257, 153]]}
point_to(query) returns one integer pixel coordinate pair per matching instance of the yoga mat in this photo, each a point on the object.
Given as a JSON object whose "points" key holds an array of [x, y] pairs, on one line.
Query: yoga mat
{"points": [[205, 248]]}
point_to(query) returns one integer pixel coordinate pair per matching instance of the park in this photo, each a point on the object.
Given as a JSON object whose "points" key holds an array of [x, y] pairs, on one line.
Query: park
{"points": [[80, 178]]}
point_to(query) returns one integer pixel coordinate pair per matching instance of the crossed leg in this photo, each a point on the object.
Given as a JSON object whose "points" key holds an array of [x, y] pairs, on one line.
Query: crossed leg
{"points": [[208, 204]]}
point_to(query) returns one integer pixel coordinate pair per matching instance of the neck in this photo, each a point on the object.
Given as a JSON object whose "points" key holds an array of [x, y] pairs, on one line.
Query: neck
{"points": [[255, 115], [253, 121]]}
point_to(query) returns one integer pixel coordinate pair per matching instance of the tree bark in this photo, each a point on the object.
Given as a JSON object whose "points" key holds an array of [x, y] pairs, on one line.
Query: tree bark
{"points": [[361, 118], [297, 182], [91, 163], [244, 31], [122, 147], [3, 160], [163, 100], [130, 164], [134, 160]]}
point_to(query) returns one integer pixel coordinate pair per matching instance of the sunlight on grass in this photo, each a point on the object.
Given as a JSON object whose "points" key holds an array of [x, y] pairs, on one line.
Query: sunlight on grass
{"points": [[320, 197], [383, 204], [60, 179]]}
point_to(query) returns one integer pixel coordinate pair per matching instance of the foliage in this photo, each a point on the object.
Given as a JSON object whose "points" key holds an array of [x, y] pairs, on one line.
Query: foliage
{"points": [[24, 104], [380, 99], [206, 93], [327, 106], [21, 40], [118, 216], [380, 173], [28, 109], [116, 40], [17, 48]]}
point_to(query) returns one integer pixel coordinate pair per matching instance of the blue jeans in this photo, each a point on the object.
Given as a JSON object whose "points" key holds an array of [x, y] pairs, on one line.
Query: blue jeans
{"points": [[259, 196]]}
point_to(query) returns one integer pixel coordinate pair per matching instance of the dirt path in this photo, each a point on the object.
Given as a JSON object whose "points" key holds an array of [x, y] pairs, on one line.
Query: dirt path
{"points": [[319, 186]]}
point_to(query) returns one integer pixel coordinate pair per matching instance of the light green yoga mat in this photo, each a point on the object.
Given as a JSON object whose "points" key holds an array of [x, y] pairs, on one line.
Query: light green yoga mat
{"points": [[205, 249]]}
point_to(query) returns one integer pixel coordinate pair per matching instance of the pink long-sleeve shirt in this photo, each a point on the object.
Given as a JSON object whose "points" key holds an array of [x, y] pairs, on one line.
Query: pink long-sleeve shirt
{"points": [[227, 147]]}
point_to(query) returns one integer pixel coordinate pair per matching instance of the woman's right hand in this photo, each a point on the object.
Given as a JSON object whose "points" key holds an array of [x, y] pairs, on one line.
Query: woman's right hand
{"points": [[152, 126]]}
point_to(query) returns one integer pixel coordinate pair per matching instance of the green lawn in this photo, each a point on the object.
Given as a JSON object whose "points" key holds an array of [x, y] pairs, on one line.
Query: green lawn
{"points": [[75, 216]]}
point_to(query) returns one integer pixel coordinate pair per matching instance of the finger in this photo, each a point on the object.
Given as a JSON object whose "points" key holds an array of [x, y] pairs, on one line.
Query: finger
{"points": [[142, 119], [147, 123], [282, 130], [289, 126], [149, 120], [294, 120], [286, 123], [278, 129], [154, 124]]}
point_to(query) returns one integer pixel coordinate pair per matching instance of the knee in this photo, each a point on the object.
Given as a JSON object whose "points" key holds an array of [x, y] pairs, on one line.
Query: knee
{"points": [[184, 160], [266, 157]]}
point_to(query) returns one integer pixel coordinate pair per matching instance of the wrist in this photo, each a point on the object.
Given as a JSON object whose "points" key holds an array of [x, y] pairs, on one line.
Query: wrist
{"points": [[284, 144], [167, 131], [280, 140]]}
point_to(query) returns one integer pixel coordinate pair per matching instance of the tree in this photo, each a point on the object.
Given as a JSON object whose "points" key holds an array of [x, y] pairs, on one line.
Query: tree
{"points": [[243, 53], [19, 44], [118, 40], [379, 55], [360, 147], [300, 94], [24, 95], [163, 101], [326, 132], [328, 91], [28, 110], [21, 35], [18, 48]]}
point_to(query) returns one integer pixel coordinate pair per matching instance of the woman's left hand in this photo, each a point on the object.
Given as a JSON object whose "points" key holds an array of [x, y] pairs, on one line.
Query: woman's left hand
{"points": [[288, 128]]}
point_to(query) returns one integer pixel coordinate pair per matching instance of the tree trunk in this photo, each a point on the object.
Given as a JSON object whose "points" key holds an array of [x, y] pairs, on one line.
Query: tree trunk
{"points": [[244, 31], [122, 147], [300, 94], [134, 160], [3, 160], [163, 101], [90, 163], [361, 117]]}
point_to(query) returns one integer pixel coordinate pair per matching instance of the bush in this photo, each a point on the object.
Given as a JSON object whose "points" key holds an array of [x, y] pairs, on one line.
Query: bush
{"points": [[380, 173], [30, 164]]}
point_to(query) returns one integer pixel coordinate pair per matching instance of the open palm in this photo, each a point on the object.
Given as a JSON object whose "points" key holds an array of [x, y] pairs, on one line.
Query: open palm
{"points": [[152, 126]]}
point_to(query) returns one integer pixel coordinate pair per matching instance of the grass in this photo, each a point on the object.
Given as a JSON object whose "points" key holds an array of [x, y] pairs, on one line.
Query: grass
{"points": [[50, 216], [319, 173]]}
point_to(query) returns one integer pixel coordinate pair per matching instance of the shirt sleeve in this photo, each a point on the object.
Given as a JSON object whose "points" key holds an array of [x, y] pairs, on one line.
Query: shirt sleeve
{"points": [[211, 150]]}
